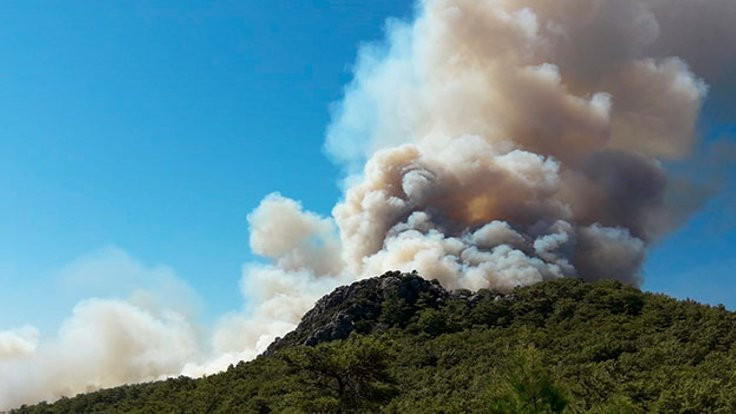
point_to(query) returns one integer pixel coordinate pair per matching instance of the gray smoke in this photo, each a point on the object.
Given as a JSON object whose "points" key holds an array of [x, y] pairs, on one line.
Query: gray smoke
{"points": [[509, 142], [500, 143]]}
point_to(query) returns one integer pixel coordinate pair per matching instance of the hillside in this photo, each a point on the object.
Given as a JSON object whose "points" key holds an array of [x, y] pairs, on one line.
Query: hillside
{"points": [[399, 343]]}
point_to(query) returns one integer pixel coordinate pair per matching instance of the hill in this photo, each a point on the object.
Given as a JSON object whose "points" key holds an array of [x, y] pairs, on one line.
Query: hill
{"points": [[401, 344]]}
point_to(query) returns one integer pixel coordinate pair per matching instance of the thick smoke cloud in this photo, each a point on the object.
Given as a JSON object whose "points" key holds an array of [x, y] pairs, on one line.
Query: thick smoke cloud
{"points": [[488, 144], [547, 119], [495, 144], [498, 143]]}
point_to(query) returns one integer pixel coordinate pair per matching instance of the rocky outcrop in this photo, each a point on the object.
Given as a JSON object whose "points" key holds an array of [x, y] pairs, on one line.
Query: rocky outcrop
{"points": [[365, 306]]}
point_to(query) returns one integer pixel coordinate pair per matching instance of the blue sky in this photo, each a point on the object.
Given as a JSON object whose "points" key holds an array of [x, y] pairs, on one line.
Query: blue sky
{"points": [[157, 128]]}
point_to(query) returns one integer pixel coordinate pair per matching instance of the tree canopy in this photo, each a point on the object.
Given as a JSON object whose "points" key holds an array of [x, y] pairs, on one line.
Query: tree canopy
{"points": [[563, 346]]}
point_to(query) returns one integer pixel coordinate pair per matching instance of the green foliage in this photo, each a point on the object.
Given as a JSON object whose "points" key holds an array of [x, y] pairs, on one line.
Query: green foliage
{"points": [[560, 346], [344, 376], [396, 311], [432, 322], [528, 386]]}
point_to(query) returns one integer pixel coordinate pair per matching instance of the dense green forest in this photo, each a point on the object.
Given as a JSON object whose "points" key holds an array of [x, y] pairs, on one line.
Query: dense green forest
{"points": [[562, 346]]}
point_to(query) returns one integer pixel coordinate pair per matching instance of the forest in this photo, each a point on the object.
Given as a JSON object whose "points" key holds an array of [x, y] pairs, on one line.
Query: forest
{"points": [[562, 346]]}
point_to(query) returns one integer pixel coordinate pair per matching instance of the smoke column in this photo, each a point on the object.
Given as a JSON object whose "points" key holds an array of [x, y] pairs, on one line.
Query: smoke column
{"points": [[493, 144], [487, 144]]}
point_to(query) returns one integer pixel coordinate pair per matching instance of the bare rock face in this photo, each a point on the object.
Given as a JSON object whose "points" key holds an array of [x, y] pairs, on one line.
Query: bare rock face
{"points": [[365, 306]]}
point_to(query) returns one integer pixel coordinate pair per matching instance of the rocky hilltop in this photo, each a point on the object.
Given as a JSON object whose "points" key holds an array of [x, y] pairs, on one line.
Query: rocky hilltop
{"points": [[359, 308], [371, 306]]}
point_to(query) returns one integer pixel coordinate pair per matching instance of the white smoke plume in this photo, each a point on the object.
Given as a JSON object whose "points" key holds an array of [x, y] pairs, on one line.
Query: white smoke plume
{"points": [[16, 343], [104, 343], [509, 142], [306, 264], [491, 143], [499, 143]]}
